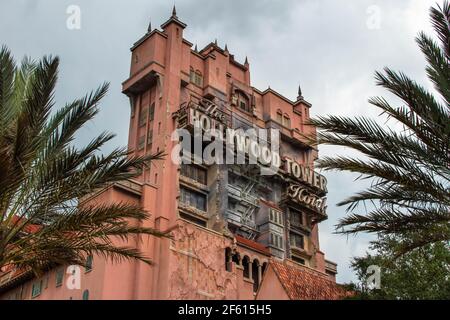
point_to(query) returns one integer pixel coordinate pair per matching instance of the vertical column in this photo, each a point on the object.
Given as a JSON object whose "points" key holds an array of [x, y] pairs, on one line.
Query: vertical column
{"points": [[259, 274]]}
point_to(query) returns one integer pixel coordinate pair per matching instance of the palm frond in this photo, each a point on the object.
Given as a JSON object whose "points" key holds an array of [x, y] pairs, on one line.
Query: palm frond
{"points": [[44, 179], [409, 168]]}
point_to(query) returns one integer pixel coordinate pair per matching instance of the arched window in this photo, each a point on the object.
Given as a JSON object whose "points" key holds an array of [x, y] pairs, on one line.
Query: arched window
{"points": [[255, 275], [236, 259], [286, 121], [264, 268], [89, 261], [242, 101], [192, 75], [59, 277], [246, 265], [86, 295], [196, 77], [279, 116], [228, 261]]}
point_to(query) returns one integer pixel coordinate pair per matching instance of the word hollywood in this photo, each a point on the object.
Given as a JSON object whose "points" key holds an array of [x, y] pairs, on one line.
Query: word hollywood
{"points": [[241, 146], [214, 142]]}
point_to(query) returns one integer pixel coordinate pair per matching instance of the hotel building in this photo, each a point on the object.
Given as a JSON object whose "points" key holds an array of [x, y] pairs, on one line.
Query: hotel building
{"points": [[236, 233]]}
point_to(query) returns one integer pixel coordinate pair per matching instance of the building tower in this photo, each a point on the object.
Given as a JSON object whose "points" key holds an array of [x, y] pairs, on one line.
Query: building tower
{"points": [[236, 233], [227, 212]]}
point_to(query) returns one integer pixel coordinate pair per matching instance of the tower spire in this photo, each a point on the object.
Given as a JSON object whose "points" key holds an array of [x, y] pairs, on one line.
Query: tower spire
{"points": [[300, 96], [149, 29], [173, 19], [174, 11]]}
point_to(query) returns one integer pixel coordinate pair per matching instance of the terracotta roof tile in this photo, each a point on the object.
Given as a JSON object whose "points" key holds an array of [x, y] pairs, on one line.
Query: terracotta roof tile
{"points": [[302, 283], [252, 245]]}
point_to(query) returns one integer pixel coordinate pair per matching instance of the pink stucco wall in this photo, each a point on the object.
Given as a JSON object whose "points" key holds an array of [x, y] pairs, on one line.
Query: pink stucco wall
{"points": [[271, 288]]}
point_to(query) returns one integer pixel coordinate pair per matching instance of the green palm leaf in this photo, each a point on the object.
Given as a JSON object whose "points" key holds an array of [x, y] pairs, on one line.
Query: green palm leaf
{"points": [[409, 168], [44, 178]]}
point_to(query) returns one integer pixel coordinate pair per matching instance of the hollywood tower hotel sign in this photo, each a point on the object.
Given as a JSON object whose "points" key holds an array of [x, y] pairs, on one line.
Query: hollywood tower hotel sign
{"points": [[237, 226], [210, 122]]}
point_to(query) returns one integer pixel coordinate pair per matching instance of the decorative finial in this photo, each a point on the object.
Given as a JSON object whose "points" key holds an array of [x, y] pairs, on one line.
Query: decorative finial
{"points": [[226, 47], [196, 49], [149, 29], [246, 60], [174, 11], [300, 96], [215, 41]]}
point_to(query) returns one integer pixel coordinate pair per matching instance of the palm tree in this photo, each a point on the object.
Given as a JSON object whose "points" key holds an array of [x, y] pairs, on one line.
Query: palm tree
{"points": [[43, 176], [409, 169]]}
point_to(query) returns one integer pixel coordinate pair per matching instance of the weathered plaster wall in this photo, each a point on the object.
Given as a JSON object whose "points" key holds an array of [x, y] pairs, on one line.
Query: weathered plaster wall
{"points": [[197, 265]]}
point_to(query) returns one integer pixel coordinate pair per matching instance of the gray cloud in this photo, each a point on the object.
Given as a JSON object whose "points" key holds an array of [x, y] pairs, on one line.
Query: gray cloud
{"points": [[325, 46]]}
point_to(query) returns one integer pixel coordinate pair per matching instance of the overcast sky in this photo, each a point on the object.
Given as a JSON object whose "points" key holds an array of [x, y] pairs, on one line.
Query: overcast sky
{"points": [[331, 48]]}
